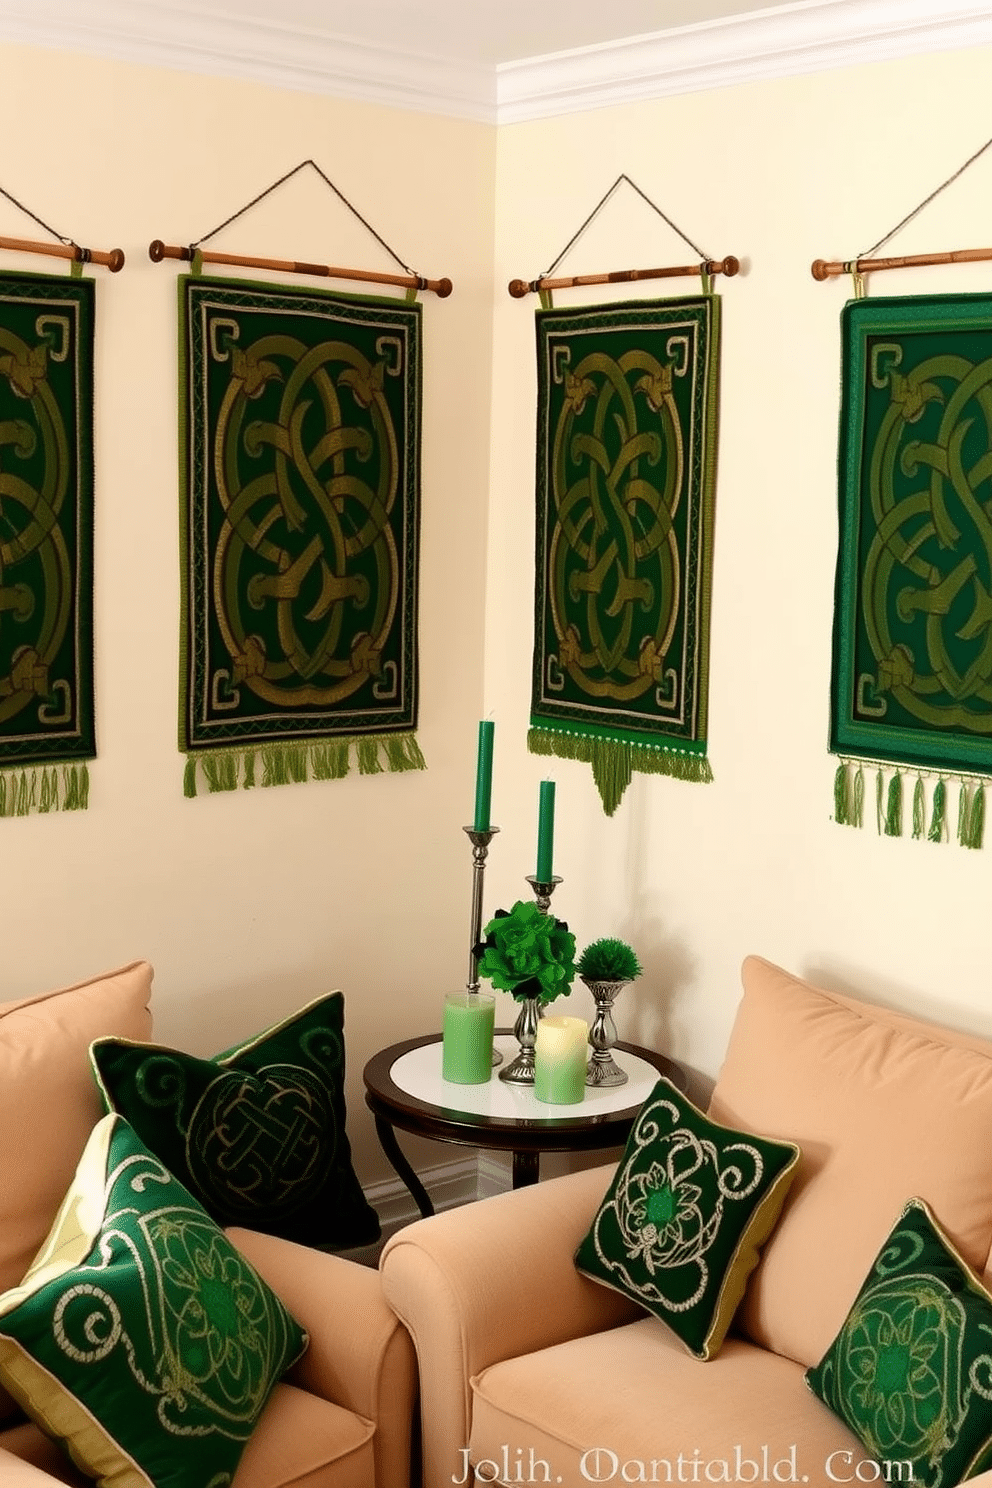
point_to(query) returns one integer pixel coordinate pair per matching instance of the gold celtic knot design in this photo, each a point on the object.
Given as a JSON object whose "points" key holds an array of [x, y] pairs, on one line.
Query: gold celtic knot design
{"points": [[618, 477], [258, 1143], [912, 641], [45, 520], [927, 587], [306, 565], [301, 528], [627, 418]]}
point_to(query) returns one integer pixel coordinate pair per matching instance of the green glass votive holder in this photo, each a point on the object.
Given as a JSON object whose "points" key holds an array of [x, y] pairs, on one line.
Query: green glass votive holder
{"points": [[467, 1038], [560, 1055]]}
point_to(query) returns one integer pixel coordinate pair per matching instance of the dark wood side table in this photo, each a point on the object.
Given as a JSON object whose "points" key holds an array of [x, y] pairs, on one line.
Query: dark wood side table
{"points": [[404, 1089]]}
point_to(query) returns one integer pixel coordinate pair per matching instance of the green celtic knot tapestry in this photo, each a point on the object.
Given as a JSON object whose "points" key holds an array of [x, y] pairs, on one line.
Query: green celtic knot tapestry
{"points": [[300, 453], [912, 644], [47, 728], [626, 463]]}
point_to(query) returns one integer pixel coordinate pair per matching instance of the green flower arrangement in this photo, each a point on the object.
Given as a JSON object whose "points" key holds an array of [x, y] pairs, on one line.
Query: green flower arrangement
{"points": [[527, 953], [609, 960]]}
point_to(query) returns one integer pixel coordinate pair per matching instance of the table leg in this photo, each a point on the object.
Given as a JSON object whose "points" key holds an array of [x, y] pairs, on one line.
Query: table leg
{"points": [[526, 1168], [394, 1152]]}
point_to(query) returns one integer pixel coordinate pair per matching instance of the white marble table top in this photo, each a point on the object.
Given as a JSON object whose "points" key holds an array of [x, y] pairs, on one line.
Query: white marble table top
{"points": [[418, 1073]]}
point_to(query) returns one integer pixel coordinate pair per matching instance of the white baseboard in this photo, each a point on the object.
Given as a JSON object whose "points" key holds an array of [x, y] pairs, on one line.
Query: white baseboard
{"points": [[448, 1185]]}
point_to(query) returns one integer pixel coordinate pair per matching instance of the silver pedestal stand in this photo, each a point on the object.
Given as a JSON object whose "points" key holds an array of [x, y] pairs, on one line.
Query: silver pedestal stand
{"points": [[480, 851], [602, 1069], [521, 1070]]}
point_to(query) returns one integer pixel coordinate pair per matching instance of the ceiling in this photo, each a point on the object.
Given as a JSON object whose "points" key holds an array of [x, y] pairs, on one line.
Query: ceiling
{"points": [[483, 31]]}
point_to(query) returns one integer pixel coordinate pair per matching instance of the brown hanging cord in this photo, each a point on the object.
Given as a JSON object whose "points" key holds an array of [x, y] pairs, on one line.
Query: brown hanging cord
{"points": [[157, 250], [865, 263], [518, 288], [63, 248]]}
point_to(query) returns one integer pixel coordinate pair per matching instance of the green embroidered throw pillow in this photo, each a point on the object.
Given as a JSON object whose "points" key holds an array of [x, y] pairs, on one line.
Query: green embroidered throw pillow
{"points": [[257, 1133], [681, 1225], [910, 1371], [140, 1338]]}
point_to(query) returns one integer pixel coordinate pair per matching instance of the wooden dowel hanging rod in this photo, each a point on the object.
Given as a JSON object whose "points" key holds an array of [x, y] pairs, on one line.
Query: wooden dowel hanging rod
{"points": [[823, 270], [158, 250], [114, 260], [729, 266]]}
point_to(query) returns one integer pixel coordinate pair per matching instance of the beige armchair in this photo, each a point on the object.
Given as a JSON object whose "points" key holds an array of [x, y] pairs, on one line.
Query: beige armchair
{"points": [[532, 1372], [341, 1417]]}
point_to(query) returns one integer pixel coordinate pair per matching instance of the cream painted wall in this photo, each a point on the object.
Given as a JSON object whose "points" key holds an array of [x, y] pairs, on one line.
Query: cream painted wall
{"points": [[248, 905], [696, 877]]}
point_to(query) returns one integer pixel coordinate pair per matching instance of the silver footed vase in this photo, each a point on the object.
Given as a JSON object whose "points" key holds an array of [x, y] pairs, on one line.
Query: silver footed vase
{"points": [[602, 1069], [521, 1070]]}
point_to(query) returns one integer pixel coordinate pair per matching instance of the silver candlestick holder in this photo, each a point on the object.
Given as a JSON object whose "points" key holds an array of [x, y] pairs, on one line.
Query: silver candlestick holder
{"points": [[543, 889], [480, 851], [521, 1070]]}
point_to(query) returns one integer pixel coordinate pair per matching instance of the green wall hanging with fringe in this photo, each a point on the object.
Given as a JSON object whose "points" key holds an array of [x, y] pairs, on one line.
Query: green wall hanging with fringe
{"points": [[912, 643], [300, 460], [626, 465], [47, 727]]}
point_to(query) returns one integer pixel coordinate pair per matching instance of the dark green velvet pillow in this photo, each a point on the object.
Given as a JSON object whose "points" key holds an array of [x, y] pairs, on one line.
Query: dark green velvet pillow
{"points": [[689, 1206], [257, 1133], [910, 1371], [140, 1338]]}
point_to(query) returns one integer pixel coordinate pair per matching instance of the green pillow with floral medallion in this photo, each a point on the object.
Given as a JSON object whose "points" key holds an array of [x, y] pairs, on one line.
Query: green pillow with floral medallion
{"points": [[140, 1338], [682, 1223], [910, 1372]]}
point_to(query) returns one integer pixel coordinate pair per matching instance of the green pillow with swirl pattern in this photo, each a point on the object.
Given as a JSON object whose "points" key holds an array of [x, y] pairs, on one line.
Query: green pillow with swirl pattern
{"points": [[257, 1133], [683, 1220], [140, 1338], [910, 1371]]}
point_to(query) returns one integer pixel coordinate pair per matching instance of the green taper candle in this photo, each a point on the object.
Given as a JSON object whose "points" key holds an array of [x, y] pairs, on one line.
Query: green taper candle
{"points": [[545, 831], [484, 776]]}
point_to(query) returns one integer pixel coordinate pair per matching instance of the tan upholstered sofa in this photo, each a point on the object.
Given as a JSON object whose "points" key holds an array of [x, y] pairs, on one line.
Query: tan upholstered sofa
{"points": [[534, 1373], [342, 1417]]}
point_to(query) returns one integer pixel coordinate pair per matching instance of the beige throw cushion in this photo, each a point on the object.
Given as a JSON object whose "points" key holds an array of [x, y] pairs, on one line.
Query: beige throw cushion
{"points": [[49, 1102], [883, 1107]]}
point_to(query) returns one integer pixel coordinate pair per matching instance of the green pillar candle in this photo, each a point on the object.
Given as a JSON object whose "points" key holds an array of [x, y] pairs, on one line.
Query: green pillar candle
{"points": [[467, 1038], [545, 831], [560, 1061], [484, 776]]}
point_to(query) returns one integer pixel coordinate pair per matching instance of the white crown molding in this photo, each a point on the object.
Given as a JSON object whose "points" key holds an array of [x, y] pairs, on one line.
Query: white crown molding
{"points": [[190, 38], [808, 36]]}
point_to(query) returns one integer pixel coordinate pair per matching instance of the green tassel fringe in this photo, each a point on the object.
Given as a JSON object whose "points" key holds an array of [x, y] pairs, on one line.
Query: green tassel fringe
{"points": [[893, 810], [919, 809], [368, 757], [849, 796], [977, 832], [189, 777], [971, 815], [613, 762], [44, 788], [963, 812], [849, 805], [221, 771], [842, 806], [292, 764]]}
